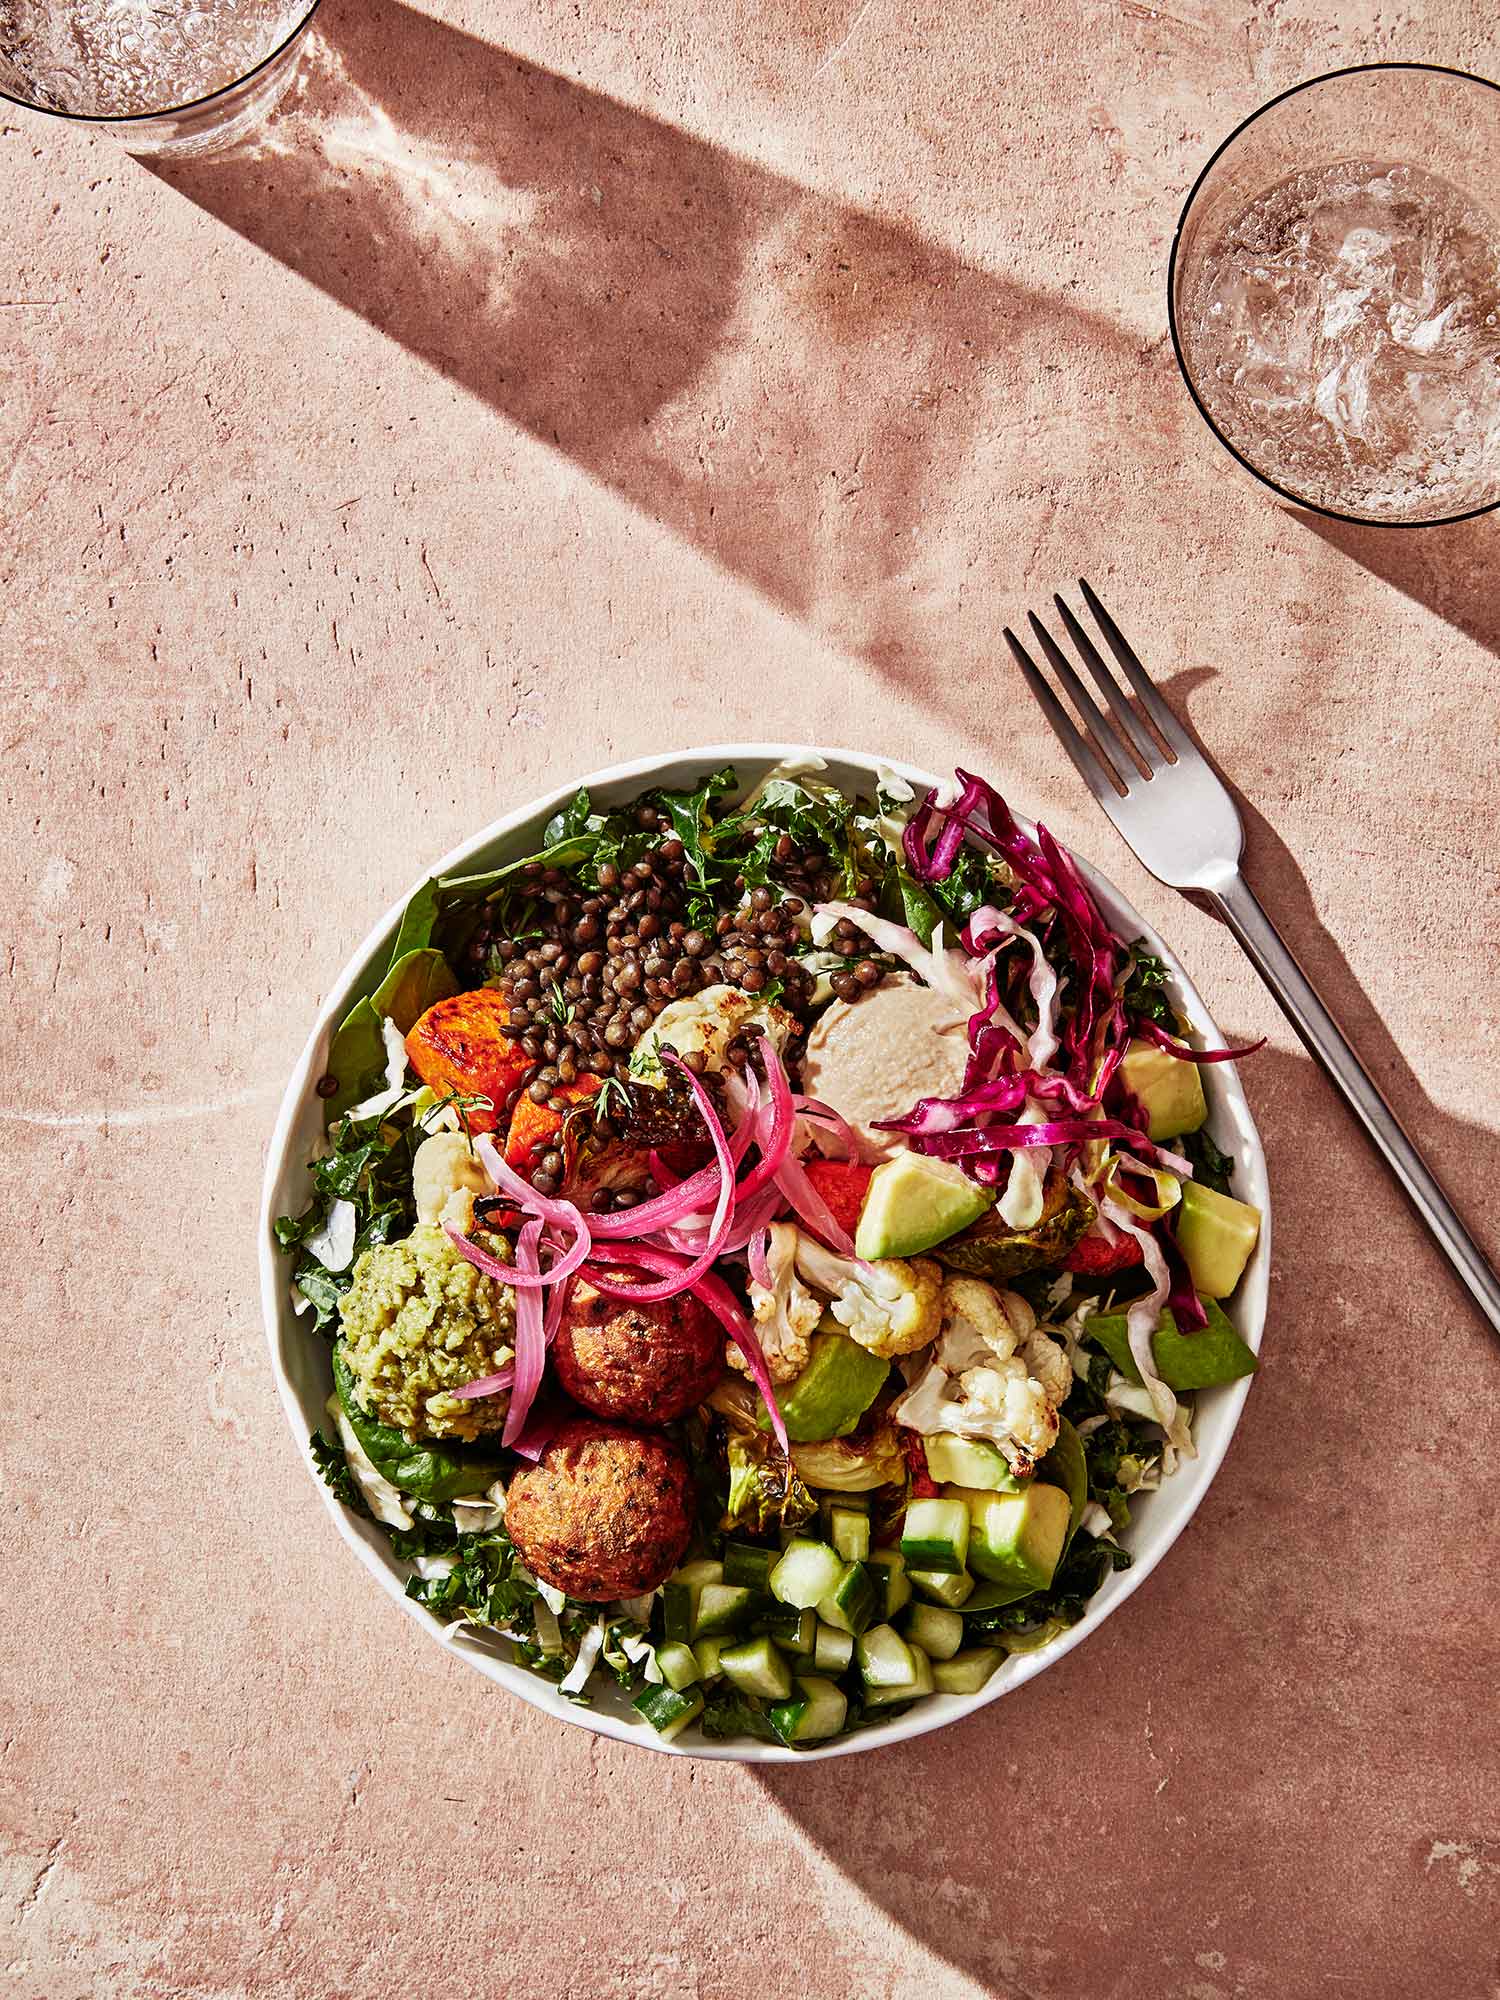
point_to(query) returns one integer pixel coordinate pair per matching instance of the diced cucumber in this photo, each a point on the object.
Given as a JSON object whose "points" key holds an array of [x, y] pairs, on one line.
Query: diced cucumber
{"points": [[667, 1710], [832, 1649], [938, 1631], [849, 1531], [678, 1663], [966, 1672], [920, 1683], [794, 1631], [807, 1573], [853, 1601], [817, 1710], [706, 1652], [679, 1598], [883, 1656], [888, 1567], [936, 1535], [941, 1588], [748, 1565], [756, 1667], [723, 1607]]}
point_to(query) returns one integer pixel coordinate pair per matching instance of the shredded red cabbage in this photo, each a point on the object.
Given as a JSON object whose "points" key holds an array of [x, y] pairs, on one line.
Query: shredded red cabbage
{"points": [[1154, 1032]]}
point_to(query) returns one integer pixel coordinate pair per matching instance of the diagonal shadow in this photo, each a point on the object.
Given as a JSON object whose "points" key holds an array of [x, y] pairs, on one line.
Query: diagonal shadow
{"points": [[1450, 570], [1172, 1779], [793, 385]]}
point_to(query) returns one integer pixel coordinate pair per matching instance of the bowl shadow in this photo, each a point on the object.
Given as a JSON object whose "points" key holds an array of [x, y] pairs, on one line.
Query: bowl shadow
{"points": [[1151, 1797]]}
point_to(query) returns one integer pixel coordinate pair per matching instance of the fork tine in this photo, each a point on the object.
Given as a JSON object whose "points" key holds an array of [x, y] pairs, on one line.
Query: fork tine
{"points": [[1172, 731], [1100, 782], [1094, 720], [1119, 707]]}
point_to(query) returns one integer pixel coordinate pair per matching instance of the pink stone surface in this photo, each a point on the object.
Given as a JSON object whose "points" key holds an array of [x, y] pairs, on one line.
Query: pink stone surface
{"points": [[553, 383]]}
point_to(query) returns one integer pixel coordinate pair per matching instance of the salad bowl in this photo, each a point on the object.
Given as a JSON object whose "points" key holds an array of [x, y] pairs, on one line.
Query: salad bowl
{"points": [[300, 1358]]}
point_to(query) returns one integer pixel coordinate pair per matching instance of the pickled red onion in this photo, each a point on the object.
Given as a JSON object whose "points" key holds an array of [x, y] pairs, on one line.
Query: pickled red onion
{"points": [[531, 1346]]}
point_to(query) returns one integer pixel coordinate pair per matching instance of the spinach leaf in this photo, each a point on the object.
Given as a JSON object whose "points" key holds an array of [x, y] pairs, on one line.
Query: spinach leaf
{"points": [[1213, 1168], [1145, 990], [727, 1712], [1065, 1466], [1184, 1361], [356, 1057], [575, 818], [333, 1468], [415, 982], [690, 813], [417, 919], [903, 900], [426, 1471]]}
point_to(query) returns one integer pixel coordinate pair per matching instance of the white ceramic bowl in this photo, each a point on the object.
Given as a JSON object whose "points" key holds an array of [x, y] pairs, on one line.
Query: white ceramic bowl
{"points": [[300, 1358]]}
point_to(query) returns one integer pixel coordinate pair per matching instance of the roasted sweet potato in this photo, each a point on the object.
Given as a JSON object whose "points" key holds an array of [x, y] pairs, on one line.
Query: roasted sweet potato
{"points": [[534, 1127], [1092, 1257], [457, 1045], [843, 1184]]}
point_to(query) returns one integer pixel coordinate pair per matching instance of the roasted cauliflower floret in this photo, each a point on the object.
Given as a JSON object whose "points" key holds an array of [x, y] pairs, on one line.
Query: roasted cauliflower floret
{"points": [[445, 1177], [993, 1374], [785, 1313], [419, 1322], [705, 1023], [891, 1306]]}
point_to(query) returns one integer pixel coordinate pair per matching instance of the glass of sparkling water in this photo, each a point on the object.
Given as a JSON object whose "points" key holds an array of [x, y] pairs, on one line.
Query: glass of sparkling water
{"points": [[166, 77], [1335, 294]]}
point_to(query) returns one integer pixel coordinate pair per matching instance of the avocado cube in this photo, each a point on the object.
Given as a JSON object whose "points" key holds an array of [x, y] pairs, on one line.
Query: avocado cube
{"points": [[1216, 1234], [1168, 1089], [1018, 1538]]}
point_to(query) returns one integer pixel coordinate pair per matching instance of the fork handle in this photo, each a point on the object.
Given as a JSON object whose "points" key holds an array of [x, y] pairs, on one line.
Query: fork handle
{"points": [[1320, 1035]]}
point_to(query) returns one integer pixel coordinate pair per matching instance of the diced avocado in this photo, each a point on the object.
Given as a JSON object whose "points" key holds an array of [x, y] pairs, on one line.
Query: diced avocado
{"points": [[966, 1672], [888, 1569], [816, 1710], [938, 1631], [834, 1390], [668, 1710], [853, 1601], [807, 1572], [914, 1202], [678, 1663], [936, 1535], [1216, 1234], [1168, 1089], [1018, 1537], [1184, 1361], [883, 1657], [968, 1462], [756, 1667], [943, 1587]]}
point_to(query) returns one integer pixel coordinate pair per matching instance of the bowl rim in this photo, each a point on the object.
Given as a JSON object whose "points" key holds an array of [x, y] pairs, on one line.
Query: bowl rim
{"points": [[283, 1325], [1179, 347]]}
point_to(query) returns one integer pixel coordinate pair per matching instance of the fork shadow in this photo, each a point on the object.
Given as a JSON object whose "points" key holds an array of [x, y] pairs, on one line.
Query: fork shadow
{"points": [[1157, 1791], [818, 399]]}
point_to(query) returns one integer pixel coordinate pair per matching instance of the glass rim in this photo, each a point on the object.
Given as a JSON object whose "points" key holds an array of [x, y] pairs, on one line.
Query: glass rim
{"points": [[1271, 103], [109, 120]]}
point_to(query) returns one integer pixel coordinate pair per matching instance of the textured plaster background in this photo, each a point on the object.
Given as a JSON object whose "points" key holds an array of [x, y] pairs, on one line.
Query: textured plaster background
{"points": [[553, 383]]}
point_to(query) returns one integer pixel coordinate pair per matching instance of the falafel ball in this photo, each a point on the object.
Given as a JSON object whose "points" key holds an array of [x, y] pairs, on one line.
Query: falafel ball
{"points": [[643, 1363], [605, 1512]]}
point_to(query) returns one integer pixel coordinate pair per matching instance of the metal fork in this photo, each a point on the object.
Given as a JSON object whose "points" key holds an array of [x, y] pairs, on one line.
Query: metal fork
{"points": [[1172, 808]]}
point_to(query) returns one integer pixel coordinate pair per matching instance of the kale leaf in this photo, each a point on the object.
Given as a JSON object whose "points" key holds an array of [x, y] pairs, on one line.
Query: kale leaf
{"points": [[1145, 991], [483, 1583], [332, 1463], [1213, 1168]]}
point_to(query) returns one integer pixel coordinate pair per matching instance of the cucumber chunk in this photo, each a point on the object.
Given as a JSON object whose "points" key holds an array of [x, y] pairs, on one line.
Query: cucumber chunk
{"points": [[722, 1607], [938, 1631], [888, 1567], [756, 1667], [832, 1649], [667, 1710], [816, 1711], [849, 1531], [807, 1573], [678, 1663], [883, 1657], [748, 1565], [794, 1631], [920, 1683], [936, 1535], [679, 1598], [706, 1652], [966, 1672], [942, 1588], [698, 1573], [853, 1601]]}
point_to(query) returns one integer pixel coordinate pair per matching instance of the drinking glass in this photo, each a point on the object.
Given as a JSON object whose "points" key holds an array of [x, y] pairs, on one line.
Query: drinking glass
{"points": [[165, 77], [1334, 294]]}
